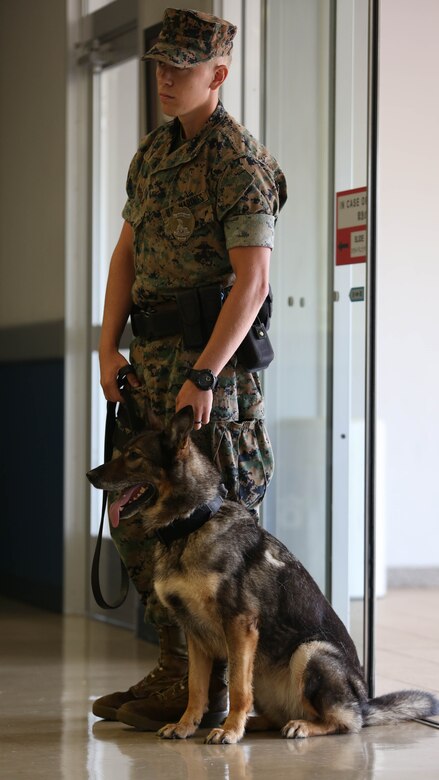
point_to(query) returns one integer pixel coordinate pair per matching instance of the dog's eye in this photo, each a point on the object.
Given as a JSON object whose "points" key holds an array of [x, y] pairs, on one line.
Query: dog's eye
{"points": [[134, 456]]}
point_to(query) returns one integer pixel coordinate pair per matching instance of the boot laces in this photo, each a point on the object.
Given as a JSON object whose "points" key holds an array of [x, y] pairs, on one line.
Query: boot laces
{"points": [[144, 682], [159, 668], [174, 689]]}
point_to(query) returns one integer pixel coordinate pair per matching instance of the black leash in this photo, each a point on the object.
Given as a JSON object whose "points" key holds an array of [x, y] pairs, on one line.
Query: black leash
{"points": [[110, 425]]}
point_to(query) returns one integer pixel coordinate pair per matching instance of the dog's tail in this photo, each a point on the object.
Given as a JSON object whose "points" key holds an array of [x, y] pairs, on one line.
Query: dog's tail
{"points": [[403, 705]]}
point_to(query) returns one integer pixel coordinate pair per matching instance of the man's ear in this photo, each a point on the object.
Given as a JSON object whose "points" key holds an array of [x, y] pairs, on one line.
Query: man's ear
{"points": [[180, 427], [219, 77]]}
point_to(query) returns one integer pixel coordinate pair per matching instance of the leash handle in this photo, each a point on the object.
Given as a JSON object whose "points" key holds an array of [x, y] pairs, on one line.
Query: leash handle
{"points": [[110, 425]]}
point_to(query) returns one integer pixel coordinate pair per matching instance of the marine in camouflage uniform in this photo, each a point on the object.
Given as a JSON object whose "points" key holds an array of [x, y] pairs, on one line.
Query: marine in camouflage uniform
{"points": [[189, 202]]}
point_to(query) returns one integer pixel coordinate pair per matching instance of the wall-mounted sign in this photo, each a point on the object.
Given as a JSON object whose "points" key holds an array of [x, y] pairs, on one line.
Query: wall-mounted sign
{"points": [[351, 233]]}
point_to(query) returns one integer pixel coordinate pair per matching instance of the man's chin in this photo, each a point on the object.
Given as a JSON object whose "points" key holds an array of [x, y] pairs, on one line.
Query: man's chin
{"points": [[168, 110]]}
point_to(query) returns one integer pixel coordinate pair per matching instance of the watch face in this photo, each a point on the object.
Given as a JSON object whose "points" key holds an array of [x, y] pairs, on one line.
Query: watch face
{"points": [[205, 379]]}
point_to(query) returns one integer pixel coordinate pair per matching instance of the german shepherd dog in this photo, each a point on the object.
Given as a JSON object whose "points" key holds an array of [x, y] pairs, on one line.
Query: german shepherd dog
{"points": [[240, 595]]}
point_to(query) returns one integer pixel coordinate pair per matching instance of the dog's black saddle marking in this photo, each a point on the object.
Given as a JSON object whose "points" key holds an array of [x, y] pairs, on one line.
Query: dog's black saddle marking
{"points": [[183, 526]]}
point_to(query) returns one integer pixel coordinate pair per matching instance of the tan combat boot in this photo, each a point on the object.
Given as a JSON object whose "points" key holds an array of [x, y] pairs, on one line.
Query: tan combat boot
{"points": [[172, 666], [168, 706]]}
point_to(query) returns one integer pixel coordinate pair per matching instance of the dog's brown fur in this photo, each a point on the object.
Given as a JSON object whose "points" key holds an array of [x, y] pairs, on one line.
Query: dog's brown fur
{"points": [[241, 595]]}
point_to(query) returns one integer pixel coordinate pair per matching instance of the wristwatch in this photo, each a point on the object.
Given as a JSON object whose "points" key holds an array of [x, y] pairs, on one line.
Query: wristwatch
{"points": [[204, 379]]}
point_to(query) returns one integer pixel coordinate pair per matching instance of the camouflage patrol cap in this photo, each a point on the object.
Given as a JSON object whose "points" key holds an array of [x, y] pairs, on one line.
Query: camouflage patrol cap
{"points": [[189, 37]]}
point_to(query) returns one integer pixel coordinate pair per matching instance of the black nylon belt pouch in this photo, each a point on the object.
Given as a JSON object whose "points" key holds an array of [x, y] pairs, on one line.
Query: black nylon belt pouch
{"points": [[190, 318], [256, 352], [155, 322], [198, 308], [211, 300]]}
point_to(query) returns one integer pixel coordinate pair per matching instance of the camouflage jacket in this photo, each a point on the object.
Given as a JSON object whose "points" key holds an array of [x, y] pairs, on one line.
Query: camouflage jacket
{"points": [[189, 202]]}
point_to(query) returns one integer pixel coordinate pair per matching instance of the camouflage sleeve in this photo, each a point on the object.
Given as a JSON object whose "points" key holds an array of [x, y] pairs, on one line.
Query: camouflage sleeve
{"points": [[133, 173], [248, 203]]}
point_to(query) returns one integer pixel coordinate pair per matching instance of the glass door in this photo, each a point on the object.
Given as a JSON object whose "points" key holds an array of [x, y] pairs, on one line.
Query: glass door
{"points": [[299, 109], [350, 296], [316, 92]]}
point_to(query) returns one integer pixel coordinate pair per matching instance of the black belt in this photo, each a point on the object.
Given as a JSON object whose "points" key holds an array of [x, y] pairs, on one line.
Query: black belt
{"points": [[193, 315]]}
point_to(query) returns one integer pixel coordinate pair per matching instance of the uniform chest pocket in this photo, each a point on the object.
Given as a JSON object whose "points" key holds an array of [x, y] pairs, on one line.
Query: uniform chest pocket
{"points": [[188, 218]]}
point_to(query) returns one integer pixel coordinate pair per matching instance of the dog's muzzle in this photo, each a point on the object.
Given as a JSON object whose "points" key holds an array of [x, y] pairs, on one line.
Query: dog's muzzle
{"points": [[129, 503]]}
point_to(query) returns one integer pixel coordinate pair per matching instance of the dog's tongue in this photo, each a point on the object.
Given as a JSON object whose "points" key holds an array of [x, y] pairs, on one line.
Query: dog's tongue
{"points": [[116, 507]]}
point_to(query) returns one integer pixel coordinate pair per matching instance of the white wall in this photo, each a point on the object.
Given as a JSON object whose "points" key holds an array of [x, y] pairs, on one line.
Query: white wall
{"points": [[408, 278], [32, 160]]}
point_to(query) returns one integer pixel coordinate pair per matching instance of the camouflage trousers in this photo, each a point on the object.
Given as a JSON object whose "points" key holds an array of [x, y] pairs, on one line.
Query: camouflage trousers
{"points": [[235, 440]]}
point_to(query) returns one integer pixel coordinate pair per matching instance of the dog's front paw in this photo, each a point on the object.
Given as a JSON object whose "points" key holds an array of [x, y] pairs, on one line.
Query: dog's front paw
{"points": [[223, 737], [176, 731], [296, 729]]}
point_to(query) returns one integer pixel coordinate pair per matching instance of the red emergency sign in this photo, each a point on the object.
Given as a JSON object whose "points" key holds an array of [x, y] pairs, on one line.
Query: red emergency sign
{"points": [[351, 233]]}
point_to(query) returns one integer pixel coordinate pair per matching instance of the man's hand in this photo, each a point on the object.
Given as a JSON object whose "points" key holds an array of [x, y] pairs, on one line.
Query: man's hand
{"points": [[200, 400], [116, 310], [111, 363]]}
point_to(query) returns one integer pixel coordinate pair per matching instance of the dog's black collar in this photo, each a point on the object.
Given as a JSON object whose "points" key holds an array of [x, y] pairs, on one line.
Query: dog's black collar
{"points": [[183, 526]]}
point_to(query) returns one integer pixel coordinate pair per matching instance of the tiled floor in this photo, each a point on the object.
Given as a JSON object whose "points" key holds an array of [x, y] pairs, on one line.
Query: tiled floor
{"points": [[407, 640], [53, 667]]}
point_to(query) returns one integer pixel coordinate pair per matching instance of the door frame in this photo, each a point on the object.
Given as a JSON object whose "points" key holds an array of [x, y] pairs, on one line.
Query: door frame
{"points": [[371, 359], [93, 41]]}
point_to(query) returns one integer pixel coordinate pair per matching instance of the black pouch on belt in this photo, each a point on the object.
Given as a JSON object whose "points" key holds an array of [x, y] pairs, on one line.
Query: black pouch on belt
{"points": [[155, 322], [211, 299], [190, 318], [198, 310], [256, 352]]}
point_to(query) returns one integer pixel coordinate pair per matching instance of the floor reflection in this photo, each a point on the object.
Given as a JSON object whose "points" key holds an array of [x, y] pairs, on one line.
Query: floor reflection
{"points": [[53, 668], [388, 752]]}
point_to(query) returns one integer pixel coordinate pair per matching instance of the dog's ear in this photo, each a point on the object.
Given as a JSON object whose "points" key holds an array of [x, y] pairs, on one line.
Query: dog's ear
{"points": [[180, 427], [152, 422]]}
